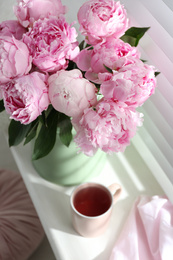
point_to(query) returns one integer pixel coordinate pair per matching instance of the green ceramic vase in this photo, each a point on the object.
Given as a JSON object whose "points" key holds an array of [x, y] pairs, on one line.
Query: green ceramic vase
{"points": [[64, 166]]}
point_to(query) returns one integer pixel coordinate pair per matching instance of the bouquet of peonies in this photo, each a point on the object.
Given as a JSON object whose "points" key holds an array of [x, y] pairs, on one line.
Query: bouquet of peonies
{"points": [[49, 83]]}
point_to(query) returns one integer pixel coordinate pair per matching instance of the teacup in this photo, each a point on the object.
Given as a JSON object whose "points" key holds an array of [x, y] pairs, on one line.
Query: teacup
{"points": [[91, 207]]}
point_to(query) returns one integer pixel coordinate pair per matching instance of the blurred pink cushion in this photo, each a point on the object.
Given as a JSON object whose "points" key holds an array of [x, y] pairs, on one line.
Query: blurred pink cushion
{"points": [[20, 229], [148, 232]]}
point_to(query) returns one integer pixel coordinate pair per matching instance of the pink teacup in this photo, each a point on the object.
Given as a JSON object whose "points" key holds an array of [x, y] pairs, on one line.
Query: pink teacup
{"points": [[91, 207]]}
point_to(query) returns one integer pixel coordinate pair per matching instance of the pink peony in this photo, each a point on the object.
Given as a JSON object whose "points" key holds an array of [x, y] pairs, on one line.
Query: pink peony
{"points": [[132, 84], [26, 97], [100, 19], [12, 27], [52, 42], [29, 11], [113, 53], [109, 126], [14, 59], [70, 93]]}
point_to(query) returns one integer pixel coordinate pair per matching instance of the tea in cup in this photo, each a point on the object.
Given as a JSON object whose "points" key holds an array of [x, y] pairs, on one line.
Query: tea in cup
{"points": [[91, 207]]}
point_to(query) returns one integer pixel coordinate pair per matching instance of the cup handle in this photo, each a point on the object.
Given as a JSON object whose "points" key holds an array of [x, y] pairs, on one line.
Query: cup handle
{"points": [[116, 190]]}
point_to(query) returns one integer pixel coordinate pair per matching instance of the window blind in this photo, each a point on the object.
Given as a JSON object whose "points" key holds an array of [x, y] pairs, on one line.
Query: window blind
{"points": [[154, 140]]}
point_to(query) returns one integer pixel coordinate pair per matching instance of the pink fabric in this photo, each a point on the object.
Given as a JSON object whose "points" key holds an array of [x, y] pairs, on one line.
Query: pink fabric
{"points": [[148, 232], [20, 229]]}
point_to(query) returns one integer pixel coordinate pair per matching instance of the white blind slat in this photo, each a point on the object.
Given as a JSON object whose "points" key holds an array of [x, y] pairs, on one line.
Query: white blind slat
{"points": [[155, 154], [161, 106], [153, 163], [151, 52], [164, 84], [158, 9], [160, 134], [169, 3]]}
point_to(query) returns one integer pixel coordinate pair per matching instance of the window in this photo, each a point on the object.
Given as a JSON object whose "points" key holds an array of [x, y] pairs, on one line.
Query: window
{"points": [[154, 140]]}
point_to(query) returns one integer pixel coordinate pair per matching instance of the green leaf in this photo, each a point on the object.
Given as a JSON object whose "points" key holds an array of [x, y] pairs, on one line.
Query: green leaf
{"points": [[32, 132], [108, 69], [65, 127], [46, 137], [91, 48], [42, 118], [71, 65], [143, 60], [129, 39], [81, 45], [2, 108], [156, 73], [17, 132], [134, 34]]}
